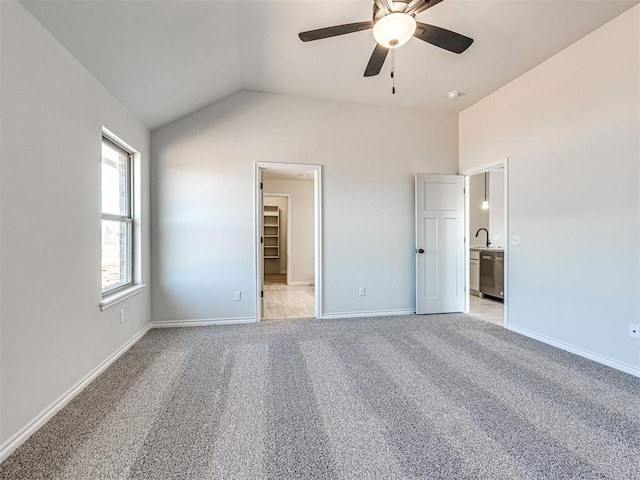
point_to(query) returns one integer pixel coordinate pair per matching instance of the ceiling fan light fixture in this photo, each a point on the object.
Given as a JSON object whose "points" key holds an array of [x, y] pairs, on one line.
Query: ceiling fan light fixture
{"points": [[394, 30]]}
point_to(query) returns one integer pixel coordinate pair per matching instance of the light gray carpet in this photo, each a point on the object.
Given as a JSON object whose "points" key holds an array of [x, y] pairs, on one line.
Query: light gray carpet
{"points": [[433, 397]]}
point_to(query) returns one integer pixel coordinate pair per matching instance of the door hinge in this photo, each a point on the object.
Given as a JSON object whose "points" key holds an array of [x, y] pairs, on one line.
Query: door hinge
{"points": [[464, 190], [260, 185], [261, 293], [261, 240]]}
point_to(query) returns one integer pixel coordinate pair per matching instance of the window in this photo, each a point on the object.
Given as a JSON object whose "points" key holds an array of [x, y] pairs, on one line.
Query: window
{"points": [[117, 217]]}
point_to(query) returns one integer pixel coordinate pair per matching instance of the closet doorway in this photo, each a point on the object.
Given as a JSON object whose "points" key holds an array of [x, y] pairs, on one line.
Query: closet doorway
{"points": [[288, 227]]}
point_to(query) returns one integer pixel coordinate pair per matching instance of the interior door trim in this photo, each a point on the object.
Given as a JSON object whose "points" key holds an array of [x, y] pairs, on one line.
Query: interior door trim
{"points": [[504, 162], [316, 170]]}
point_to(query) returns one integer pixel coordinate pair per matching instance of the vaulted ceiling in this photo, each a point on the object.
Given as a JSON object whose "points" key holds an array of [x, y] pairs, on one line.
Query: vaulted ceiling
{"points": [[167, 58]]}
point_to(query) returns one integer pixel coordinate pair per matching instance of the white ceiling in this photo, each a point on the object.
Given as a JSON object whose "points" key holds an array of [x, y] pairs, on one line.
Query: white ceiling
{"points": [[167, 58]]}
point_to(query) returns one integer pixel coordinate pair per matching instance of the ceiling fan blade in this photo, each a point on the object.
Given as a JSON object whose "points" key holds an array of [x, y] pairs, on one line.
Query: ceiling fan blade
{"points": [[334, 31], [443, 38], [417, 6], [376, 61]]}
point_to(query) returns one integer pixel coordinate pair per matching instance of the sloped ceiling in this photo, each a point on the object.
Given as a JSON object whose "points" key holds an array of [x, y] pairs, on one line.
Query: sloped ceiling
{"points": [[167, 58]]}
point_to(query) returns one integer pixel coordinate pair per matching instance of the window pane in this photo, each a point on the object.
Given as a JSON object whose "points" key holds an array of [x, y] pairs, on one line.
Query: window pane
{"points": [[115, 257], [115, 181]]}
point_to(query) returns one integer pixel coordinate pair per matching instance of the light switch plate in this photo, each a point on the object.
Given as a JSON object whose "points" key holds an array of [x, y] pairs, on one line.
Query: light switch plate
{"points": [[515, 239]]}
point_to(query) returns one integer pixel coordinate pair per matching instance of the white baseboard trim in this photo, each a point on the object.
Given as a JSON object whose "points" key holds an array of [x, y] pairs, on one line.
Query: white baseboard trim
{"points": [[371, 313], [301, 282], [596, 357], [45, 415], [202, 322]]}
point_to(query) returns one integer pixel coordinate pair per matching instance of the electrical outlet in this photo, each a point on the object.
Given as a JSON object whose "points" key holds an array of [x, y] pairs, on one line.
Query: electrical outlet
{"points": [[121, 316], [634, 330], [361, 291], [515, 239], [237, 296]]}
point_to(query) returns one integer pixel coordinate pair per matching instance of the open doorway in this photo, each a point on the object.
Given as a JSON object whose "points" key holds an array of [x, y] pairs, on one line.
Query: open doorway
{"points": [[487, 234], [288, 226]]}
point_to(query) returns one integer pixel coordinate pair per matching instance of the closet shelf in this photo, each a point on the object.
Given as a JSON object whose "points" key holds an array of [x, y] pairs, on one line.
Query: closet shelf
{"points": [[271, 225]]}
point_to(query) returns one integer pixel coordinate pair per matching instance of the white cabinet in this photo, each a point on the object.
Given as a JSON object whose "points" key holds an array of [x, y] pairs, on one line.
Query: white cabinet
{"points": [[474, 272], [271, 231]]}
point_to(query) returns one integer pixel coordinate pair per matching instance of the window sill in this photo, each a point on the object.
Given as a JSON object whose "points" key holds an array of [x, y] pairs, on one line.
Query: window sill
{"points": [[111, 299]]}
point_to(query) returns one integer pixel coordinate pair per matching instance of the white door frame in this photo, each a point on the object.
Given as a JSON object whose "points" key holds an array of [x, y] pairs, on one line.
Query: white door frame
{"points": [[316, 171], [474, 171], [288, 197]]}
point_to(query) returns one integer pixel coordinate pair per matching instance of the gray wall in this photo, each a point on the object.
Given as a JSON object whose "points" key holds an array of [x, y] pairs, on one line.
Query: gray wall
{"points": [[53, 111], [570, 128], [478, 218], [203, 200]]}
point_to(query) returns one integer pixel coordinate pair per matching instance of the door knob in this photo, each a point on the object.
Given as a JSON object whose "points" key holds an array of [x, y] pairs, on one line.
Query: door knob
{"points": [[420, 250]]}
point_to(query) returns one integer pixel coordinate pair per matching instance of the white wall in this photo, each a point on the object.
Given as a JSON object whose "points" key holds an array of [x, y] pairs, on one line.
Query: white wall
{"points": [[496, 207], [302, 246], [570, 129], [278, 265], [203, 199], [53, 111]]}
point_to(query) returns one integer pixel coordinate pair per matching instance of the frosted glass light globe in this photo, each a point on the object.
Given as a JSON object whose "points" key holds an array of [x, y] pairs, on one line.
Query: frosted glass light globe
{"points": [[394, 29]]}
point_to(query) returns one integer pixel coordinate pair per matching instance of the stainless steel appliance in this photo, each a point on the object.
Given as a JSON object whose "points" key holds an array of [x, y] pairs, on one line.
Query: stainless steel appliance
{"points": [[492, 274]]}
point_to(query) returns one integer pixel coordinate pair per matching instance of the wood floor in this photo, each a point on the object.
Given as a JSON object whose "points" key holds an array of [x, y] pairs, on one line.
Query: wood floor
{"points": [[275, 279], [298, 301], [487, 309], [287, 301]]}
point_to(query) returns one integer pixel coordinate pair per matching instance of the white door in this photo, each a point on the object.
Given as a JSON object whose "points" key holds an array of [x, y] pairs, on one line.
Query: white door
{"points": [[440, 269]]}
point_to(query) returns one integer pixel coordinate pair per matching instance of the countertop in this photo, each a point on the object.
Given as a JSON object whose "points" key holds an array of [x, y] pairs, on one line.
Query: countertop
{"points": [[478, 248]]}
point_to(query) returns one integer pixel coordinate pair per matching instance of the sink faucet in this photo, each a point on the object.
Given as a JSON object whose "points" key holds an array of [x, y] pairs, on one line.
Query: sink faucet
{"points": [[487, 232]]}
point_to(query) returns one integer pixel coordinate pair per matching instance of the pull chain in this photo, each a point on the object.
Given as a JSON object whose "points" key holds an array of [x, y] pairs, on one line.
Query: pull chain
{"points": [[393, 71]]}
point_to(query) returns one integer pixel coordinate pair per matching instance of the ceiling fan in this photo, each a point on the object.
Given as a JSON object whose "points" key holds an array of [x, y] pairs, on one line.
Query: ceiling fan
{"points": [[393, 25]]}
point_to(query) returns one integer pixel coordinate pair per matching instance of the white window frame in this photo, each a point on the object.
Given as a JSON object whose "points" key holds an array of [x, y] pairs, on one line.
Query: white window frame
{"points": [[128, 219]]}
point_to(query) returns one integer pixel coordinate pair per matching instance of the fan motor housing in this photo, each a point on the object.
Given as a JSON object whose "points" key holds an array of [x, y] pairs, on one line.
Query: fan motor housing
{"points": [[398, 7]]}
